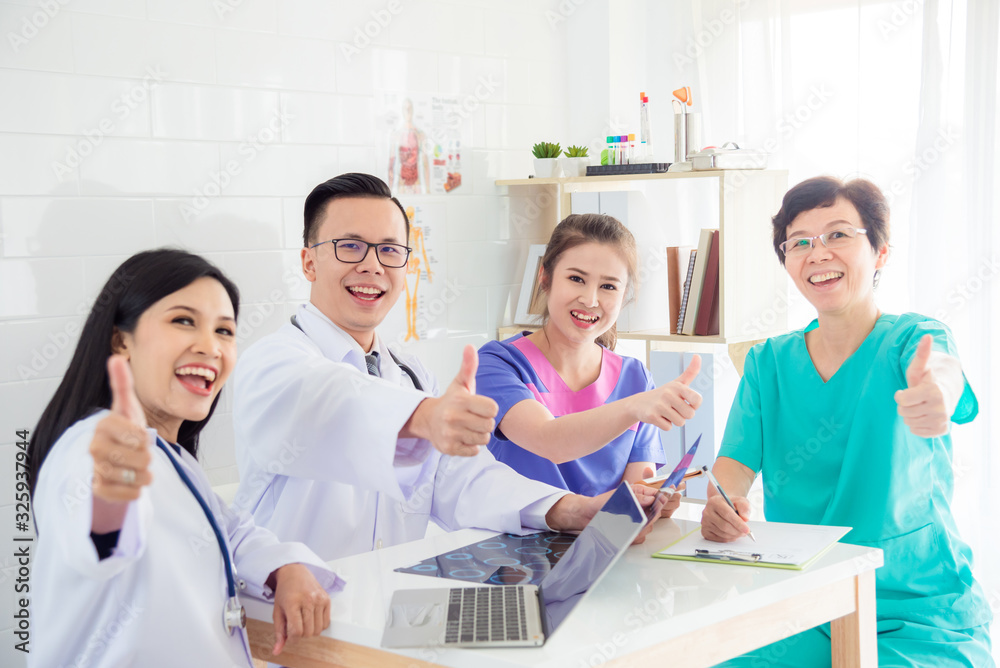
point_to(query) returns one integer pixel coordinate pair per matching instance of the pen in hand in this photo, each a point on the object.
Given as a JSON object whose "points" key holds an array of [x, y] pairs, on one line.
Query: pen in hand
{"points": [[725, 496]]}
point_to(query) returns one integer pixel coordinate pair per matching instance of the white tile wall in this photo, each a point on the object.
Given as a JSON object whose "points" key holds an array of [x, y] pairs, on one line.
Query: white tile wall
{"points": [[124, 8], [419, 25], [183, 111], [291, 210], [31, 164], [272, 61], [135, 48], [276, 169], [40, 287], [74, 226], [143, 167], [129, 125], [68, 104], [35, 40], [339, 21], [37, 349], [226, 223], [256, 15], [315, 118]]}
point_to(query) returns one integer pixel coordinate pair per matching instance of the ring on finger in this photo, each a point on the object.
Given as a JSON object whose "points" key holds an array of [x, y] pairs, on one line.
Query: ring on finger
{"points": [[128, 476]]}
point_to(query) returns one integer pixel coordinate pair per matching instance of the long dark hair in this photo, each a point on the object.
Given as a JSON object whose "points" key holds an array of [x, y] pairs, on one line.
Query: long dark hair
{"points": [[140, 281]]}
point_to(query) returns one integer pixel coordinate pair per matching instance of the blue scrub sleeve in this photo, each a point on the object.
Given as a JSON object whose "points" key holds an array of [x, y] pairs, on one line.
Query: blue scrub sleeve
{"points": [[968, 406], [647, 446], [743, 439], [499, 379]]}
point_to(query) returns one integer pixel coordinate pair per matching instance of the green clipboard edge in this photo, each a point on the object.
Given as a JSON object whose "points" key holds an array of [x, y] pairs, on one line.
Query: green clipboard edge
{"points": [[756, 564]]}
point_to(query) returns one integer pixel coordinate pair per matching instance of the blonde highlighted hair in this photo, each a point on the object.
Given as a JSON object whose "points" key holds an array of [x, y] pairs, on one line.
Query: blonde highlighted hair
{"points": [[578, 229]]}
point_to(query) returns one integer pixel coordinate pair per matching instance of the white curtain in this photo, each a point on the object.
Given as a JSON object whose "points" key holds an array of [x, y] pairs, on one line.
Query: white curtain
{"points": [[904, 93]]}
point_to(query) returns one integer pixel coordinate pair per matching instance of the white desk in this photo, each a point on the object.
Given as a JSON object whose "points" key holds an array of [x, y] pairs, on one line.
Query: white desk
{"points": [[645, 609]]}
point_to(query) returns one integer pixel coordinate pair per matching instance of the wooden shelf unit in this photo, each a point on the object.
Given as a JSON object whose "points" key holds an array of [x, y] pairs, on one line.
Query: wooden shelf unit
{"points": [[752, 284]]}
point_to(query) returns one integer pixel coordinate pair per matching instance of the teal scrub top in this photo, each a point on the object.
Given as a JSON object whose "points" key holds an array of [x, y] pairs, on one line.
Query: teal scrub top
{"points": [[838, 453]]}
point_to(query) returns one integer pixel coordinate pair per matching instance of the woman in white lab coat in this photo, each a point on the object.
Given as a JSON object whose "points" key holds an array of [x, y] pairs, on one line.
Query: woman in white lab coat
{"points": [[138, 562]]}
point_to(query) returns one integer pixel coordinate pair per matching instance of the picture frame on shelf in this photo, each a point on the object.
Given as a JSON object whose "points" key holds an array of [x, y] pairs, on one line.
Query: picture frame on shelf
{"points": [[529, 306]]}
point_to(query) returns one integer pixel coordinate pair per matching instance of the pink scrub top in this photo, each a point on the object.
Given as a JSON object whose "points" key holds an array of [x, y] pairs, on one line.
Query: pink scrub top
{"points": [[513, 370]]}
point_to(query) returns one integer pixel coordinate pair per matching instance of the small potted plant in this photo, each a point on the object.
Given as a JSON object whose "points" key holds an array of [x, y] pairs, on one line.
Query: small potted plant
{"points": [[545, 159], [576, 161]]}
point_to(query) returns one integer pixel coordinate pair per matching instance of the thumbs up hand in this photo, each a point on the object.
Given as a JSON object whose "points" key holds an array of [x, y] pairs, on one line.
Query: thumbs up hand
{"points": [[922, 404], [120, 447], [672, 404], [123, 399], [458, 421], [466, 377]]}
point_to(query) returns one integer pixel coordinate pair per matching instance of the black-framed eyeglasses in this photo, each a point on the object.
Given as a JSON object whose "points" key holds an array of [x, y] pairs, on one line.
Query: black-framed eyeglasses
{"points": [[353, 251]]}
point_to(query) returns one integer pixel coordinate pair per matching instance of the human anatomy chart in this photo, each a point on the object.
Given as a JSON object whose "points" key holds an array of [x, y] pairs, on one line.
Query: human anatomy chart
{"points": [[420, 143], [422, 311]]}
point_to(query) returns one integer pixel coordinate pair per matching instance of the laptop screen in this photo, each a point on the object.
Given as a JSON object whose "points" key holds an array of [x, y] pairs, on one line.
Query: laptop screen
{"points": [[591, 555]]}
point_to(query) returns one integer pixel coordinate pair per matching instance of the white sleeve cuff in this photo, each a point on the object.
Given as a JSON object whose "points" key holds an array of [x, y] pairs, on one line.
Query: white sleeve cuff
{"points": [[948, 374], [132, 535], [533, 515], [252, 581], [411, 451]]}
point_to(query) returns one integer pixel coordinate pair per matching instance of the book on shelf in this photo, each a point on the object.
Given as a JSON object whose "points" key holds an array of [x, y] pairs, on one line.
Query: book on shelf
{"points": [[710, 291], [677, 266], [697, 281], [685, 293], [713, 321]]}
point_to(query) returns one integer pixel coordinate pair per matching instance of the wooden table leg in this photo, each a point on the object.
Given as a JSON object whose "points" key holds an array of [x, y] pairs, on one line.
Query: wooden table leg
{"points": [[853, 639]]}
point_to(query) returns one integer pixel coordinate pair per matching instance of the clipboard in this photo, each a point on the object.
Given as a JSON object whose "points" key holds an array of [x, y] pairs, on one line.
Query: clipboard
{"points": [[779, 545]]}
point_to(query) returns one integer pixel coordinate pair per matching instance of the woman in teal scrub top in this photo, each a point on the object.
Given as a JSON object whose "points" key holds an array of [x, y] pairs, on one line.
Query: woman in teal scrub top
{"points": [[847, 420]]}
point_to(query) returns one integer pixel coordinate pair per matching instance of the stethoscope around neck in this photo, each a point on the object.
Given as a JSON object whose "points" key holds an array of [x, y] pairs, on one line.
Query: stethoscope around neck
{"points": [[234, 616], [417, 385]]}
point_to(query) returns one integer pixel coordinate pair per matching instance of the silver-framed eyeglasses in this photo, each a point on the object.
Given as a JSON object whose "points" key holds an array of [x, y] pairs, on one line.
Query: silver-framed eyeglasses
{"points": [[353, 251], [838, 238]]}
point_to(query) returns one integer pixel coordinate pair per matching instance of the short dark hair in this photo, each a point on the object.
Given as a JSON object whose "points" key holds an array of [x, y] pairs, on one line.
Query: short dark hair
{"points": [[823, 191], [353, 184], [140, 281]]}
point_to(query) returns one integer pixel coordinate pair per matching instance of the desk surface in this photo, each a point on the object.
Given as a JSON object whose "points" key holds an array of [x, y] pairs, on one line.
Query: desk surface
{"points": [[641, 603]]}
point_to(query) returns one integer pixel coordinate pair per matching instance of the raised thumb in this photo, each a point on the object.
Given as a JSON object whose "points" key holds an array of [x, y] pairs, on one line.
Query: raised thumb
{"points": [[123, 399], [467, 374], [918, 365], [691, 372]]}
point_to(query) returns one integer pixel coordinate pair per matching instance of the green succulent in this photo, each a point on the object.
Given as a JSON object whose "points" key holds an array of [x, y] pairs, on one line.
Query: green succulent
{"points": [[576, 152], [546, 150]]}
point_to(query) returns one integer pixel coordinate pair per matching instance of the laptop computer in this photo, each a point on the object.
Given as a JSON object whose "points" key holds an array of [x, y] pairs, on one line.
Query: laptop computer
{"points": [[519, 615]]}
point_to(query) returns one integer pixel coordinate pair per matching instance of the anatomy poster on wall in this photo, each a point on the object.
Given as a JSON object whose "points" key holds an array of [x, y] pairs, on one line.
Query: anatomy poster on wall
{"points": [[420, 143], [425, 298]]}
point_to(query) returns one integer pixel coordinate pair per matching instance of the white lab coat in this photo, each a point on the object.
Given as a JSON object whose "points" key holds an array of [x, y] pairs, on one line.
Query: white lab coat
{"points": [[321, 462], [158, 599]]}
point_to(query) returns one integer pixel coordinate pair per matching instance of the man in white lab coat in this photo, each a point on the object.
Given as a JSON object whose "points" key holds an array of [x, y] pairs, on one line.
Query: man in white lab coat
{"points": [[344, 444]]}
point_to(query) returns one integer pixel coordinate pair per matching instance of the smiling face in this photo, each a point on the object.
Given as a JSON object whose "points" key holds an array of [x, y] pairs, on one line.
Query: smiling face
{"points": [[356, 297], [181, 353], [586, 291], [836, 281]]}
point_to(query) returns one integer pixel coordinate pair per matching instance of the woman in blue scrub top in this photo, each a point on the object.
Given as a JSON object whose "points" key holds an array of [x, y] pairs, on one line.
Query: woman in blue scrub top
{"points": [[572, 413], [848, 420]]}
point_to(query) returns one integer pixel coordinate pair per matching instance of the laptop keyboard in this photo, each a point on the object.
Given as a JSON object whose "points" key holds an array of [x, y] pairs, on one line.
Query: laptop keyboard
{"points": [[483, 614]]}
